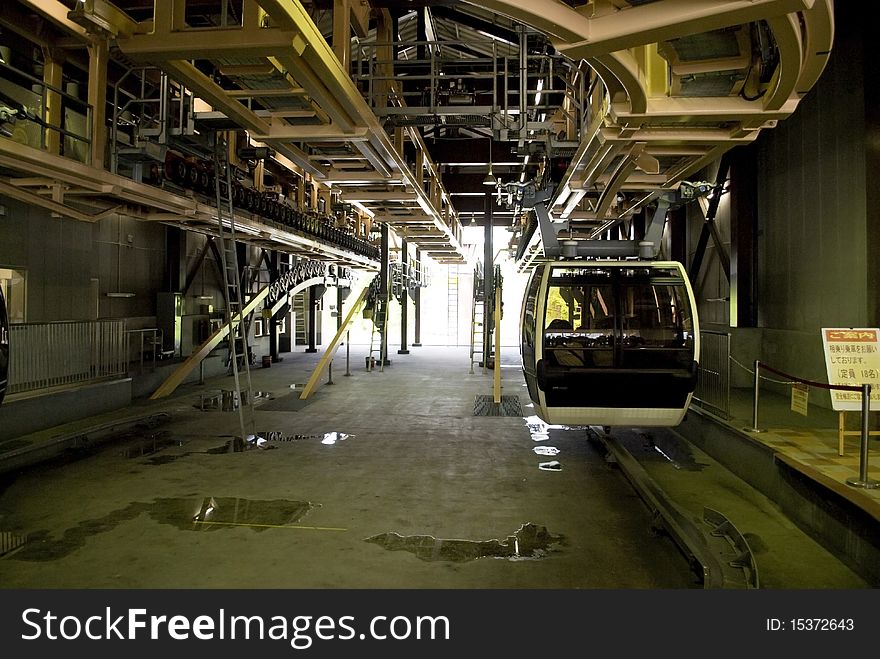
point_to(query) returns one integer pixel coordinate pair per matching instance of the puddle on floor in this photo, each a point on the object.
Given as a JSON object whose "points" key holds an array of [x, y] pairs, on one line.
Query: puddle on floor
{"points": [[530, 541], [538, 429], [206, 514], [261, 441], [327, 438]]}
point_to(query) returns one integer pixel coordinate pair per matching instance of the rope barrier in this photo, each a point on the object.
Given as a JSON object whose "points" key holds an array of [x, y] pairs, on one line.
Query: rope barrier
{"points": [[812, 383], [752, 373], [863, 480]]}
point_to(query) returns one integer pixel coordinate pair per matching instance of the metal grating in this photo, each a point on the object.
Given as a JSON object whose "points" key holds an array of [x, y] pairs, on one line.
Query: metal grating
{"points": [[486, 406]]}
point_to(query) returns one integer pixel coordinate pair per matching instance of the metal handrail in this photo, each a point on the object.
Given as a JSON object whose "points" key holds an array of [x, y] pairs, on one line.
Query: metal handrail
{"points": [[713, 377], [65, 353]]}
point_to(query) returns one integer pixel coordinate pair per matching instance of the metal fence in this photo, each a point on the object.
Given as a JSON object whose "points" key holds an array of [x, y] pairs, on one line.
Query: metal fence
{"points": [[45, 355], [713, 377]]}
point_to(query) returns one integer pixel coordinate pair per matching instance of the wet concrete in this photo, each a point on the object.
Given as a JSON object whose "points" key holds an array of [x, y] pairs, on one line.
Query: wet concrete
{"points": [[530, 541], [210, 514], [408, 455]]}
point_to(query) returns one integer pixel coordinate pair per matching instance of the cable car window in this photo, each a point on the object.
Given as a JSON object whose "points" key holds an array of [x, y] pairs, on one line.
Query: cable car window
{"points": [[579, 326], [656, 329], [633, 318], [528, 310]]}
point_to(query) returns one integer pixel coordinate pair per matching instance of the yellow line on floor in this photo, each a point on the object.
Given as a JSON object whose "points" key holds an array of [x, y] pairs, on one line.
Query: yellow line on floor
{"points": [[273, 526]]}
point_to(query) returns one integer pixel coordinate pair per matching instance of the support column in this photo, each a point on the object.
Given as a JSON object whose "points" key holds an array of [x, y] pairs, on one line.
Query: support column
{"points": [[488, 281], [744, 237], [386, 29], [404, 298], [421, 32], [52, 77], [313, 315], [383, 286], [417, 300], [342, 32], [273, 320], [175, 260], [98, 62], [339, 302], [710, 229]]}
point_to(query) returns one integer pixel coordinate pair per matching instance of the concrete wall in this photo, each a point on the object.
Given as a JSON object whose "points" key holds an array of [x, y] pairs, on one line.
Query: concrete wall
{"points": [[62, 257], [816, 251], [71, 266], [813, 228], [23, 416]]}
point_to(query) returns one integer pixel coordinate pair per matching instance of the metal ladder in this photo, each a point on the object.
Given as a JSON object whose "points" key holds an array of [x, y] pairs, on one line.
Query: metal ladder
{"points": [[478, 323], [238, 345], [477, 326], [299, 311], [452, 304], [380, 326]]}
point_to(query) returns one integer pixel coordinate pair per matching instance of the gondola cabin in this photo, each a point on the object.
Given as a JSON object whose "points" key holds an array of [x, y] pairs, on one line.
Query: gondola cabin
{"points": [[611, 343]]}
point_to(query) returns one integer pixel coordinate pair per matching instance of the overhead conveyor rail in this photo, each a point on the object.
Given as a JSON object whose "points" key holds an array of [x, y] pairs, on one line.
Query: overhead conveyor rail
{"points": [[621, 103]]}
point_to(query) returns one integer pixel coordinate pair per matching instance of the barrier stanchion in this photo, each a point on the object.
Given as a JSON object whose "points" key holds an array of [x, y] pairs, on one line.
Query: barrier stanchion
{"points": [[863, 480], [865, 389], [756, 393]]}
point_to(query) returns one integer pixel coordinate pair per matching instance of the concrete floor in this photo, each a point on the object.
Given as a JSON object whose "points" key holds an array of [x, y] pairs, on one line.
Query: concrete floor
{"points": [[298, 513]]}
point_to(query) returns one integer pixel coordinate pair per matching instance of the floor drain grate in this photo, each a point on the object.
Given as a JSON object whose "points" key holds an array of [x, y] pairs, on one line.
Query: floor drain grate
{"points": [[486, 406]]}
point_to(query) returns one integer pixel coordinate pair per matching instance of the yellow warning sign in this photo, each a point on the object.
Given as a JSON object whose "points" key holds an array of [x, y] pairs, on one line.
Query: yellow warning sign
{"points": [[800, 397]]}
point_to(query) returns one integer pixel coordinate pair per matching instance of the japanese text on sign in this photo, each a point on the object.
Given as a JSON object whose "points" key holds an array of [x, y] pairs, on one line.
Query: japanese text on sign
{"points": [[852, 358]]}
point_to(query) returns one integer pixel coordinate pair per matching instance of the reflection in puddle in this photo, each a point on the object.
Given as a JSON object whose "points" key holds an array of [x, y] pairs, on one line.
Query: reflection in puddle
{"points": [[530, 541], [538, 429], [327, 438], [672, 449], [208, 514], [540, 432], [258, 514], [262, 440]]}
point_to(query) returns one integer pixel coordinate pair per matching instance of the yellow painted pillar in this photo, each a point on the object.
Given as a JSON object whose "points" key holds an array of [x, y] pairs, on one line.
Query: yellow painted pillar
{"points": [[384, 57], [98, 61], [342, 32], [52, 69]]}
